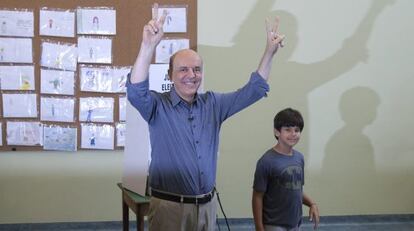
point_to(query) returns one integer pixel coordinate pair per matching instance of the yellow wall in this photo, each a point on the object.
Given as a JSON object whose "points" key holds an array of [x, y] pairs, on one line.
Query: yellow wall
{"points": [[347, 66], [60, 186]]}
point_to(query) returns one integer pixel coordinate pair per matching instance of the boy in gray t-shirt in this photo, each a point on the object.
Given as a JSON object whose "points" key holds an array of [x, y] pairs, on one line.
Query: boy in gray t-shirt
{"points": [[278, 181]]}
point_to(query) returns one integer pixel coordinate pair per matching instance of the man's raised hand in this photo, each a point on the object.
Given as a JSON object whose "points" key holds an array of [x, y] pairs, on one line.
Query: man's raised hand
{"points": [[274, 39], [153, 30]]}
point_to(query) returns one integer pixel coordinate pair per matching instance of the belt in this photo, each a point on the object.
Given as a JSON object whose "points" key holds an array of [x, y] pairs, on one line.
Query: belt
{"points": [[202, 199]]}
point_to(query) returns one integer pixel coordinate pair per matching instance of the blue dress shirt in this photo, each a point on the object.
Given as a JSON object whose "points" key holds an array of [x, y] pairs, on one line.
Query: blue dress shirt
{"points": [[185, 138]]}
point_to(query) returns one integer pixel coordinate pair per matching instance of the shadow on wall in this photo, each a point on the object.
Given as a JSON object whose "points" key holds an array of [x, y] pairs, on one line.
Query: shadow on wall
{"points": [[348, 170], [350, 177], [290, 81]]}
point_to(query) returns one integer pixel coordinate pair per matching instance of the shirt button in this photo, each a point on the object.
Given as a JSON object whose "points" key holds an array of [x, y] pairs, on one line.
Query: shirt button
{"points": [[197, 142], [202, 173], [199, 157]]}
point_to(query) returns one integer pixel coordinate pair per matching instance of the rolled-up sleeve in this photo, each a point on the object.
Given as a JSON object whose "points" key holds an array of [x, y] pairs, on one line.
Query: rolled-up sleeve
{"points": [[233, 102], [259, 83], [141, 97]]}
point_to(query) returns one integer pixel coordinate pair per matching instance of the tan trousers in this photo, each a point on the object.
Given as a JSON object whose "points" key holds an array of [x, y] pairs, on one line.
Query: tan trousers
{"points": [[173, 216]]}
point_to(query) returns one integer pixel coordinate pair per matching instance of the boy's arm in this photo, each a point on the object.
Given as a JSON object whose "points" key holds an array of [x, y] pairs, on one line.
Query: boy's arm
{"points": [[257, 204], [313, 210]]}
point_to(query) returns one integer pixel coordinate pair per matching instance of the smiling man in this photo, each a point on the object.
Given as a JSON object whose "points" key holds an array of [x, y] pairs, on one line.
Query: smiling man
{"points": [[184, 129], [186, 73]]}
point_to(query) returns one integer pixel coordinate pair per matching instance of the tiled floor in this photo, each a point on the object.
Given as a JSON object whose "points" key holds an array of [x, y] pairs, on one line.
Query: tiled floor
{"points": [[346, 223]]}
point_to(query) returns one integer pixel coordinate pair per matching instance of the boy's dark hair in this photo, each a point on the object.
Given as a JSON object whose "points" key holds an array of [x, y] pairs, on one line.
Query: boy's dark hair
{"points": [[288, 118]]}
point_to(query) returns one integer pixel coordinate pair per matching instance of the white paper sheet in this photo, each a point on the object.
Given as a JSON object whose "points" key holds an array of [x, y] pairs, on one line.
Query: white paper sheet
{"points": [[103, 79], [57, 109], [96, 21], [122, 108], [16, 50], [16, 23], [96, 109], [17, 78], [57, 23], [119, 79], [158, 78], [19, 105], [97, 136], [57, 82], [24, 133], [176, 20], [96, 79], [167, 47], [60, 138], [59, 56], [120, 134], [94, 50]]}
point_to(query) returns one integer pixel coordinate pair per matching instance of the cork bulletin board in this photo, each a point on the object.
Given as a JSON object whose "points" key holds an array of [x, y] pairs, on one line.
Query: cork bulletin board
{"points": [[63, 66]]}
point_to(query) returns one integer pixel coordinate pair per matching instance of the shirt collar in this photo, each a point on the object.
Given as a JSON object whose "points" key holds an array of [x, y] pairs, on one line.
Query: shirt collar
{"points": [[176, 99]]}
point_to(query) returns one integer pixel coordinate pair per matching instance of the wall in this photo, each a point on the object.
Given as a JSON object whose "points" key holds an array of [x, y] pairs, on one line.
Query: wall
{"points": [[39, 187], [347, 68]]}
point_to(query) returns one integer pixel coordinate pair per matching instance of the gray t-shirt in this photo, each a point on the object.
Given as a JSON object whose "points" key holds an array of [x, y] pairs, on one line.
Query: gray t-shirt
{"points": [[281, 179]]}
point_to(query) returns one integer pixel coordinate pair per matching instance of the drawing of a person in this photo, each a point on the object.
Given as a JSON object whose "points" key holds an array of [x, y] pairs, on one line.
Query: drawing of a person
{"points": [[106, 83], [25, 83], [1, 53], [95, 23], [53, 110], [89, 116], [91, 53], [4, 27], [91, 79], [121, 83], [58, 61], [92, 139], [168, 19], [171, 50], [56, 83], [29, 135]]}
